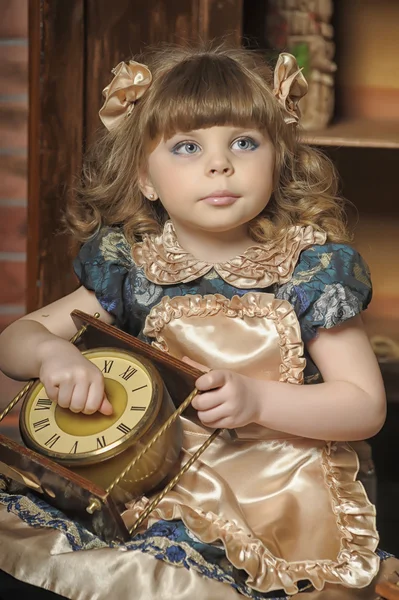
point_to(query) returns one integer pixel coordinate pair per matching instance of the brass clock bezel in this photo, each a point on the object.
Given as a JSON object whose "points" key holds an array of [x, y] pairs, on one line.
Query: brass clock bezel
{"points": [[118, 446]]}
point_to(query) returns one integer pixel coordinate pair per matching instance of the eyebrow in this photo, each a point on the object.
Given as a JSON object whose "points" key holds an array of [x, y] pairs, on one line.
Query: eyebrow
{"points": [[195, 131]]}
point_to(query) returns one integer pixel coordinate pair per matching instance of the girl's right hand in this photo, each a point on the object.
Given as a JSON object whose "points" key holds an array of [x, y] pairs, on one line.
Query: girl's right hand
{"points": [[70, 379]]}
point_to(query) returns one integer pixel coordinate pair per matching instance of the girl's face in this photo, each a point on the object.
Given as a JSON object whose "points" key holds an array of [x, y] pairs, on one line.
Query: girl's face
{"points": [[214, 180]]}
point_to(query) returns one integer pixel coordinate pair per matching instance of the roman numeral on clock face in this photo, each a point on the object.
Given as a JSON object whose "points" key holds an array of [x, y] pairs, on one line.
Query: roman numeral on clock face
{"points": [[101, 442], [140, 388], [108, 364], [53, 440], [123, 428], [126, 375], [39, 425], [43, 404], [74, 448]]}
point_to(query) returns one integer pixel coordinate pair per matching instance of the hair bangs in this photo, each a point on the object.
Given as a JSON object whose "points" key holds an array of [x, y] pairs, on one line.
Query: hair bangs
{"points": [[207, 91]]}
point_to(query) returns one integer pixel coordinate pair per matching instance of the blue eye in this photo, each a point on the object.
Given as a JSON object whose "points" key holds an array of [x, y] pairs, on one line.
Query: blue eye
{"points": [[186, 148], [245, 143]]}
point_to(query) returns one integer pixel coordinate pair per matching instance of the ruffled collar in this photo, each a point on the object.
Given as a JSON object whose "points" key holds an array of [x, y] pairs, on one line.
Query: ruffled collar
{"points": [[165, 262]]}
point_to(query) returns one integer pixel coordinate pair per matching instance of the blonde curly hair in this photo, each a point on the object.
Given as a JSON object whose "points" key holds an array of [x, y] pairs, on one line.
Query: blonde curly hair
{"points": [[195, 88]]}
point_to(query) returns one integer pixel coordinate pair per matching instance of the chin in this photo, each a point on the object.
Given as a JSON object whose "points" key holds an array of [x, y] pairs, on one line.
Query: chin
{"points": [[224, 225], [220, 221], [217, 227]]}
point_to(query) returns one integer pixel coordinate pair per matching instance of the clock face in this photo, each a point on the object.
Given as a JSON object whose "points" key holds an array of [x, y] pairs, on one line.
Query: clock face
{"points": [[134, 389]]}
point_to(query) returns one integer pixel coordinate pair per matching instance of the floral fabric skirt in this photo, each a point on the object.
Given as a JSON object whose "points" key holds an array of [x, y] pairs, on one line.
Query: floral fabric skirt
{"points": [[42, 547]]}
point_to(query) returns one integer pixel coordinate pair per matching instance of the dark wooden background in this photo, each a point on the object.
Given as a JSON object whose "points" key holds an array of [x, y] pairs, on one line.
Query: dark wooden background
{"points": [[74, 45]]}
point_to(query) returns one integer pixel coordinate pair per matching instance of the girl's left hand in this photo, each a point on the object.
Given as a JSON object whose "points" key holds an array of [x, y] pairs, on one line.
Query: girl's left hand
{"points": [[228, 399]]}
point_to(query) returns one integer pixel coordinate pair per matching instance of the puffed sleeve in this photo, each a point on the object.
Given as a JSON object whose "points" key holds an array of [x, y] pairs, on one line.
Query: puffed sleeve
{"points": [[330, 284], [102, 266]]}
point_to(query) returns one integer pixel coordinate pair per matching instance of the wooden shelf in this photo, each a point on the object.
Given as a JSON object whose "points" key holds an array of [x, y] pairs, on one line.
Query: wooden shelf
{"points": [[360, 133]]}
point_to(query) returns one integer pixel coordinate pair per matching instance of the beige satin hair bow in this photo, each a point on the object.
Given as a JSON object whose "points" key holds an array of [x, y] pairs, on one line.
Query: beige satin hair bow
{"points": [[132, 79], [289, 86], [129, 84]]}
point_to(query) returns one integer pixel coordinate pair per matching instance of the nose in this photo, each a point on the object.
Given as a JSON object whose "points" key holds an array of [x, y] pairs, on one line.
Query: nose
{"points": [[220, 164]]}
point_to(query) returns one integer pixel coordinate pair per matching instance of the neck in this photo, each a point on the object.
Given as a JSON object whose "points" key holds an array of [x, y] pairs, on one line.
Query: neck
{"points": [[214, 247]]}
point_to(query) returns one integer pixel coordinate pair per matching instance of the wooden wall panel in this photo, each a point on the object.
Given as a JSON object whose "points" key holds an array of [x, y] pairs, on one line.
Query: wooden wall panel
{"points": [[118, 30], [55, 141], [221, 18], [73, 47]]}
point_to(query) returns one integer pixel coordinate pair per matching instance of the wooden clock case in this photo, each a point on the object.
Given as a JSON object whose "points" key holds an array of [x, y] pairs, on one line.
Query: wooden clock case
{"points": [[58, 485]]}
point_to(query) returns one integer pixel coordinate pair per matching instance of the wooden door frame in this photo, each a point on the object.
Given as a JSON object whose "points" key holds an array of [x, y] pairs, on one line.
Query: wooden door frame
{"points": [[56, 108]]}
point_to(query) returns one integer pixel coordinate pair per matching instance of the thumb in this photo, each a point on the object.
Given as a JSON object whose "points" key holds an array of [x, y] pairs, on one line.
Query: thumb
{"points": [[106, 407], [211, 380]]}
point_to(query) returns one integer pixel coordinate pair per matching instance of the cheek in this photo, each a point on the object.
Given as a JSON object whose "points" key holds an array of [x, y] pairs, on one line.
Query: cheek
{"points": [[269, 169], [176, 183], [159, 175], [262, 171]]}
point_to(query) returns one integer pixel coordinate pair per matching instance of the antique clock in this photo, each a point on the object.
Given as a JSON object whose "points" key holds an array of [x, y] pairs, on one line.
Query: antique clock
{"points": [[98, 446], [90, 465]]}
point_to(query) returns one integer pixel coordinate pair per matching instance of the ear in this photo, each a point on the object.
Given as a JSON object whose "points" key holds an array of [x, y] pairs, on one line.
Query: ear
{"points": [[146, 187]]}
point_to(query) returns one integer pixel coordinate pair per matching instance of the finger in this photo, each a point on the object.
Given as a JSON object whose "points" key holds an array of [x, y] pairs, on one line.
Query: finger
{"points": [[211, 380], [79, 397], [207, 400], [225, 423], [195, 364], [94, 399], [65, 393], [52, 392], [106, 407], [215, 416]]}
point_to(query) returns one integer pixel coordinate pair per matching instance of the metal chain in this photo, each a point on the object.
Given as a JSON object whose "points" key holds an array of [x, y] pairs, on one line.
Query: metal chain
{"points": [[173, 482], [154, 439], [17, 398]]}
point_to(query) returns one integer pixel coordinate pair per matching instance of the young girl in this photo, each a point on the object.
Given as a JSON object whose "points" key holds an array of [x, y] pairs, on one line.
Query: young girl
{"points": [[212, 233]]}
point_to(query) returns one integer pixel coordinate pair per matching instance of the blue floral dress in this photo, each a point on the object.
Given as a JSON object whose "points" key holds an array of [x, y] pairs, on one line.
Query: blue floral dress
{"points": [[326, 283]]}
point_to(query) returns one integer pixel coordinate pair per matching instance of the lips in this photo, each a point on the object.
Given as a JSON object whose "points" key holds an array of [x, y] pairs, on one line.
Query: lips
{"points": [[220, 198], [221, 194]]}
